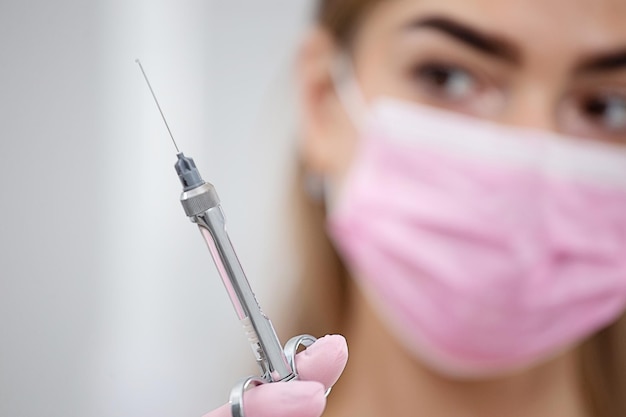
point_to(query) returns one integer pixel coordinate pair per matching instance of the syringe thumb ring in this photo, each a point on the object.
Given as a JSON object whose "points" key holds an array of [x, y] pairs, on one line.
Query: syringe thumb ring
{"points": [[291, 350]]}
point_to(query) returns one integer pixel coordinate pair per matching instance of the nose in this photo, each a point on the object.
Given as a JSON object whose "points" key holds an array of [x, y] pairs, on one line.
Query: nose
{"points": [[532, 106]]}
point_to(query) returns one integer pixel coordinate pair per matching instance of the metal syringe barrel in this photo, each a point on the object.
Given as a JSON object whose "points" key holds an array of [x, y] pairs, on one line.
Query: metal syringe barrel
{"points": [[202, 205]]}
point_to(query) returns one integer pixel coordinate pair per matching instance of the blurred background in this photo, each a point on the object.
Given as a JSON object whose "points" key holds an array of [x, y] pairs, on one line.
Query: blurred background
{"points": [[109, 302]]}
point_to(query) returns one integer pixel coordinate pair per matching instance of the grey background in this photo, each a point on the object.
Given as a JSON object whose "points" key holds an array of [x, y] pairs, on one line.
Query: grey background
{"points": [[109, 302]]}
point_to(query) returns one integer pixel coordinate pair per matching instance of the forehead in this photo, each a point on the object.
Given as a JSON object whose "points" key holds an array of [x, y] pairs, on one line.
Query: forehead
{"points": [[584, 25]]}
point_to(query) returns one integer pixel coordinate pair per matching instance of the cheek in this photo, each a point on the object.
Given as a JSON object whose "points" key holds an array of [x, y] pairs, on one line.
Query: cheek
{"points": [[379, 73]]}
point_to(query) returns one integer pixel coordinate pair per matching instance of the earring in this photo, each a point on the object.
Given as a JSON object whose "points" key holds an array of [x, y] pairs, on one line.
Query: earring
{"points": [[315, 188]]}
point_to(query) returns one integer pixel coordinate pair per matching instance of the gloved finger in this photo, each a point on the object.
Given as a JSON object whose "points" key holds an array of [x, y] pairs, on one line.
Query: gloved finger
{"points": [[319, 366], [323, 361], [281, 399]]}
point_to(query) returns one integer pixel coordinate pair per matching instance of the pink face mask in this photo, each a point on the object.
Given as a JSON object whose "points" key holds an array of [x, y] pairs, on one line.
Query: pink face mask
{"points": [[485, 248]]}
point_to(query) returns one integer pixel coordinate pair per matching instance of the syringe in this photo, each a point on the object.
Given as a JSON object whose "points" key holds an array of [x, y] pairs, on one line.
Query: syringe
{"points": [[202, 205]]}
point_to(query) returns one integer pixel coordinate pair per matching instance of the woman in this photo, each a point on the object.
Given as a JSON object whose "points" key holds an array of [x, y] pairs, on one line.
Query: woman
{"points": [[473, 156]]}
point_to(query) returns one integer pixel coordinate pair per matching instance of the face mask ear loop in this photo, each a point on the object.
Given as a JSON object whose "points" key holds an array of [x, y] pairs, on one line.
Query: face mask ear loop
{"points": [[354, 104], [348, 91]]}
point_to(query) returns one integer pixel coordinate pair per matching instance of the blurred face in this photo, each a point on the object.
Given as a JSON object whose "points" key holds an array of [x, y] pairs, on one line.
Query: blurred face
{"points": [[556, 65]]}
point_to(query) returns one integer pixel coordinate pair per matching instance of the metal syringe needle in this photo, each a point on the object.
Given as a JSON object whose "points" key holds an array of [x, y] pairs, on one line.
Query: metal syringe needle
{"points": [[157, 103]]}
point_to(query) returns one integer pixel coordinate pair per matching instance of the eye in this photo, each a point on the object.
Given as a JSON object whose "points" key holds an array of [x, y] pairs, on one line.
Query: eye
{"points": [[457, 88], [607, 111], [596, 113], [446, 82]]}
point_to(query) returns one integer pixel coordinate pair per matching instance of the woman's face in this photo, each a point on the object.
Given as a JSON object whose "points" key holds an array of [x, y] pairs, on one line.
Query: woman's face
{"points": [[557, 65]]}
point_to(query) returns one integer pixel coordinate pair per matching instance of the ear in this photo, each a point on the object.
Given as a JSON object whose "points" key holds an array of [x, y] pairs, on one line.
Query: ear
{"points": [[327, 130]]}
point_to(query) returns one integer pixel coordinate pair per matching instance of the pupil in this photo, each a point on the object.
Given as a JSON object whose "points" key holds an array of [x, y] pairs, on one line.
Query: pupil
{"points": [[596, 107], [440, 76]]}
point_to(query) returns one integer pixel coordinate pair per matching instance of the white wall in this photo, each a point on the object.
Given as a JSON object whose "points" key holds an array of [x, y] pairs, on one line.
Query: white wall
{"points": [[109, 302]]}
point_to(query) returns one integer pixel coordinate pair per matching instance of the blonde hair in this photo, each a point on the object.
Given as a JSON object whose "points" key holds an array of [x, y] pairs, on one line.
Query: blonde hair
{"points": [[325, 278]]}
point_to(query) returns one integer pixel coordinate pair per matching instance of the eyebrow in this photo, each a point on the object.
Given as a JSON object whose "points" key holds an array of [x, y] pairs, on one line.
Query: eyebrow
{"points": [[505, 50], [494, 46], [607, 62]]}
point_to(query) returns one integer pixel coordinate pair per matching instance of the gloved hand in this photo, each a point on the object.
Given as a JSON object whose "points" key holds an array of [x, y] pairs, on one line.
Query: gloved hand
{"points": [[319, 366]]}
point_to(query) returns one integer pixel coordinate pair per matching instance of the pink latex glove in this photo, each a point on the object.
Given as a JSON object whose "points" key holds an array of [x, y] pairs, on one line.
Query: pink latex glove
{"points": [[319, 366]]}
